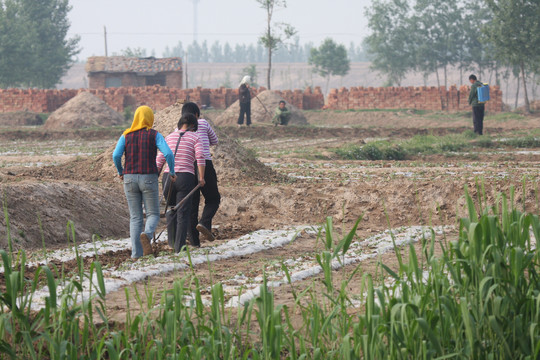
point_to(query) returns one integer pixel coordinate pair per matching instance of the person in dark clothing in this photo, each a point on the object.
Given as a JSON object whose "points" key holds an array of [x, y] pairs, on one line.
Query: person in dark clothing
{"points": [[210, 191], [477, 107], [244, 96]]}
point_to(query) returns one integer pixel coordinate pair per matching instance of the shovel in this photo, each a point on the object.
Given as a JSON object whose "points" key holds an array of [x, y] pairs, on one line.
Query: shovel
{"points": [[175, 209], [264, 107]]}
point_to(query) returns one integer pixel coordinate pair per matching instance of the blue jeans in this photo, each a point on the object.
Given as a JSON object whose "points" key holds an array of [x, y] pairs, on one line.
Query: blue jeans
{"points": [[141, 189]]}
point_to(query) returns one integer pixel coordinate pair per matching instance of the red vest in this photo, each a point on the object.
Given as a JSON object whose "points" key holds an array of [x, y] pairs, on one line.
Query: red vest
{"points": [[141, 151]]}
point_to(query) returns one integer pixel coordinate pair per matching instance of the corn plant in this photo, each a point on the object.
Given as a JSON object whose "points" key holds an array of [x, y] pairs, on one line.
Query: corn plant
{"points": [[478, 297]]}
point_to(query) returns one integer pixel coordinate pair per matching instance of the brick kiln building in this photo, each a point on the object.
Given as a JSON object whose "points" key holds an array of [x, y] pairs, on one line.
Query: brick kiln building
{"points": [[119, 71]]}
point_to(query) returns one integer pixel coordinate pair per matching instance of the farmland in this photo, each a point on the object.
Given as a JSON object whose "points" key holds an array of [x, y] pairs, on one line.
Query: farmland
{"points": [[363, 243]]}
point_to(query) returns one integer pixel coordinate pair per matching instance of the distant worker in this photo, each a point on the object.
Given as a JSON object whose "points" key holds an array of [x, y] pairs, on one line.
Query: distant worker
{"points": [[244, 97], [210, 191], [477, 107], [282, 115], [140, 144]]}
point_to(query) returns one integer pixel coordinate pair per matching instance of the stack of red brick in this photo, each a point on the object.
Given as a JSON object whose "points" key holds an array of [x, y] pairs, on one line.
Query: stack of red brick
{"points": [[425, 98], [158, 97]]}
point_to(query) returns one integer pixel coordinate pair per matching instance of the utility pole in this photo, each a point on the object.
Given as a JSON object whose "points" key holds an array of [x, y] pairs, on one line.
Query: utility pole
{"points": [[105, 36], [195, 19]]}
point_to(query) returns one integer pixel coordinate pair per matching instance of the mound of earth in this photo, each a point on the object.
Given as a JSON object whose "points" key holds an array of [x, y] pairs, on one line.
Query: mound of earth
{"points": [[92, 209], [20, 118], [270, 100], [232, 161], [83, 111]]}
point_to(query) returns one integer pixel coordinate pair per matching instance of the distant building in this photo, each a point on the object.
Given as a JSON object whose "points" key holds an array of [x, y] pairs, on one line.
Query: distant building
{"points": [[120, 71]]}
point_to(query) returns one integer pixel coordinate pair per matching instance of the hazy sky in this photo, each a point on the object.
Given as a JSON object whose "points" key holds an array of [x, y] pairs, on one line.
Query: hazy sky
{"points": [[154, 24]]}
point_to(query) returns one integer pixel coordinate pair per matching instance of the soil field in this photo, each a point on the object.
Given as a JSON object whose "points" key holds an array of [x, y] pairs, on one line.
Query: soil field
{"points": [[263, 226]]}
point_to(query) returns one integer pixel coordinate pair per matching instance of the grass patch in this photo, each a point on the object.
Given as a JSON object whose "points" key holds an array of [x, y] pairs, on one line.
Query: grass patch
{"points": [[505, 116], [523, 142], [44, 117], [379, 150], [429, 145]]}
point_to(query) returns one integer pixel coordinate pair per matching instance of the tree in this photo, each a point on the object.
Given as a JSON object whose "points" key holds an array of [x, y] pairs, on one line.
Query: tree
{"points": [[436, 32], [515, 34], [176, 51], [389, 45], [275, 34], [330, 59], [194, 52], [251, 71], [133, 52], [34, 48], [216, 52]]}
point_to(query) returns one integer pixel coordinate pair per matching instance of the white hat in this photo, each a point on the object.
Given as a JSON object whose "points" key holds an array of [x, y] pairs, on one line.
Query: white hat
{"points": [[245, 80]]}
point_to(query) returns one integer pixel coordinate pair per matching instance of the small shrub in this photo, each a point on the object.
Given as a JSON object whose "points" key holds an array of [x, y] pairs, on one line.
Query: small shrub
{"points": [[372, 152], [128, 113], [394, 152], [452, 146], [469, 134], [484, 142], [524, 142]]}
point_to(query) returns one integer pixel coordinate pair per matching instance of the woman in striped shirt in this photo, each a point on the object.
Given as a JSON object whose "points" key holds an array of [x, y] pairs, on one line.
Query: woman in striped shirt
{"points": [[189, 148], [212, 198]]}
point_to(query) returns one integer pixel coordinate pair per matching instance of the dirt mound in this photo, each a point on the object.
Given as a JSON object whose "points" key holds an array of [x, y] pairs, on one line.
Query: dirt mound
{"points": [[92, 209], [20, 118], [232, 161], [258, 113], [84, 110]]}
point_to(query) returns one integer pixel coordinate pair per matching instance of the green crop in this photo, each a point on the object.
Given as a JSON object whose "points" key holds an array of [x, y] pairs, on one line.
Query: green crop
{"points": [[475, 296]]}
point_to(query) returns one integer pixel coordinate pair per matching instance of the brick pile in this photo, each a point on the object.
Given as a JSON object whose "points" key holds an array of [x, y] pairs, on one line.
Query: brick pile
{"points": [[159, 97], [425, 98]]}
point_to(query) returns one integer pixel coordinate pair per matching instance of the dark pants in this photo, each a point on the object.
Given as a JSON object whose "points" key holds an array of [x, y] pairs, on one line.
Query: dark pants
{"points": [[478, 118], [212, 198], [178, 225], [245, 108], [284, 119]]}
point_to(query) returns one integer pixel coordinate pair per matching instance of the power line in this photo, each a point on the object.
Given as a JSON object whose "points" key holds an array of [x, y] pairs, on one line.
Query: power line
{"points": [[207, 34]]}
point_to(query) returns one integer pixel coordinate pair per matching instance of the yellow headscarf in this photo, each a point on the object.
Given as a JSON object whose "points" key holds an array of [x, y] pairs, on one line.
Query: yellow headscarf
{"points": [[143, 119]]}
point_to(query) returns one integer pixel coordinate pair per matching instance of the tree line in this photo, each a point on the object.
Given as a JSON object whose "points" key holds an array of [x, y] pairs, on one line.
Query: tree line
{"points": [[500, 37], [219, 52]]}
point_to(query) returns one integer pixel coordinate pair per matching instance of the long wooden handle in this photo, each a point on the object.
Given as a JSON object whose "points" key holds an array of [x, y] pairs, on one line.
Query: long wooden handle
{"points": [[182, 202]]}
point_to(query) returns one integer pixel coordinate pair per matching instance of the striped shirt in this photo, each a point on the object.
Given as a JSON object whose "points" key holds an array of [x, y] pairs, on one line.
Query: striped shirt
{"points": [[208, 137], [189, 149]]}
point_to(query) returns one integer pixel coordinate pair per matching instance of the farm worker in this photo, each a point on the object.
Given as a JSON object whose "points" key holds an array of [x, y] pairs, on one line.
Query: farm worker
{"points": [[190, 148], [210, 191], [140, 144], [244, 97], [477, 108], [282, 115]]}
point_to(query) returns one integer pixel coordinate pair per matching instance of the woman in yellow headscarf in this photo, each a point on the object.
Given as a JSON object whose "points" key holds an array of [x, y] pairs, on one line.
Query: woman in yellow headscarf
{"points": [[140, 143]]}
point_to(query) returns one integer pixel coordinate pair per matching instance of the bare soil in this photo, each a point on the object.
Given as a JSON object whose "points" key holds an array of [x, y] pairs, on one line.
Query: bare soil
{"points": [[285, 186]]}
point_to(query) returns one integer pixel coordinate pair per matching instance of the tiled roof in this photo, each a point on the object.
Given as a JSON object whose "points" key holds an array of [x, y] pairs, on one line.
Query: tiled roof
{"points": [[123, 64]]}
